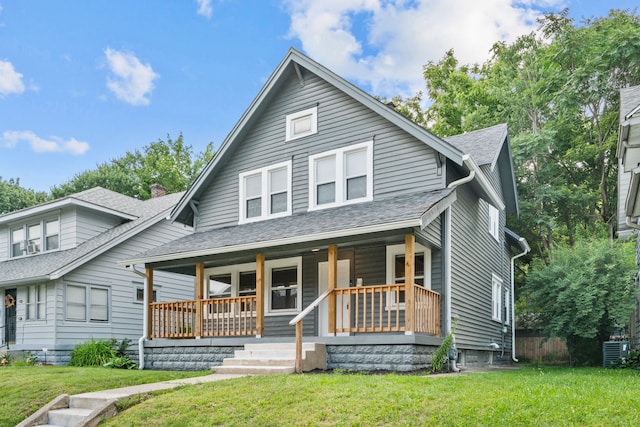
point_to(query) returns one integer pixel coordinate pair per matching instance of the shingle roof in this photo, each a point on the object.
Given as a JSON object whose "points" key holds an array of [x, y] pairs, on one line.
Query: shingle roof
{"points": [[51, 265], [482, 145], [629, 100], [346, 220]]}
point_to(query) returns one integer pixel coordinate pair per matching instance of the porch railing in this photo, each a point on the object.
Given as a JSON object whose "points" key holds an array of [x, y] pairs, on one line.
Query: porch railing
{"points": [[221, 317], [380, 308]]}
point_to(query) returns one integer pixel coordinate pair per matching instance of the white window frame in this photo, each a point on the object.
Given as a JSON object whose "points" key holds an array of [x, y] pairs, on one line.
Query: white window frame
{"points": [[25, 243], [33, 308], [265, 193], [496, 298], [494, 222], [392, 252], [507, 306], [341, 176], [294, 117], [88, 303], [140, 286], [269, 266]]}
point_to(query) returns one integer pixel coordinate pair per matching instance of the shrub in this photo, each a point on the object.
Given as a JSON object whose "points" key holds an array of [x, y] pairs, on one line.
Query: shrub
{"points": [[92, 353], [442, 353]]}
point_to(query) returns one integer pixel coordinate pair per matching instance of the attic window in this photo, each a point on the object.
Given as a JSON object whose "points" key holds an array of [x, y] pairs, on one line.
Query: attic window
{"points": [[302, 123]]}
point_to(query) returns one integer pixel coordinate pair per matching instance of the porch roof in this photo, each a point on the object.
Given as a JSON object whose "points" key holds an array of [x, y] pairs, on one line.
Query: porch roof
{"points": [[405, 211]]}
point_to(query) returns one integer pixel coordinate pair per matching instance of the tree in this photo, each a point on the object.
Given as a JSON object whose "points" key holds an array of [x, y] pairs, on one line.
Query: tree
{"points": [[172, 164], [14, 197], [582, 294]]}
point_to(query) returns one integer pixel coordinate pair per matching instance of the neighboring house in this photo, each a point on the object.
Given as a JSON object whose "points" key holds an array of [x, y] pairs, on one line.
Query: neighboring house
{"points": [[59, 274], [323, 196], [629, 181]]}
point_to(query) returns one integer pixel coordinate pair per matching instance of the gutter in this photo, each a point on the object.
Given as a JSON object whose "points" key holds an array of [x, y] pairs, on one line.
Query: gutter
{"points": [[145, 310], [526, 249]]}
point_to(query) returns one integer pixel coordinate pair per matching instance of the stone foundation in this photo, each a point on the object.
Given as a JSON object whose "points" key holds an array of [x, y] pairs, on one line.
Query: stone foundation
{"points": [[186, 358], [400, 358]]}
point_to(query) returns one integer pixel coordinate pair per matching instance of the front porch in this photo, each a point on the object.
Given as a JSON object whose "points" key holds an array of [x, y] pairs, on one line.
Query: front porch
{"points": [[404, 308]]}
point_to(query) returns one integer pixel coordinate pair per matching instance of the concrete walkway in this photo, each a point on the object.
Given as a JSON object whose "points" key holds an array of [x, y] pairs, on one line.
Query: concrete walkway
{"points": [[88, 409]]}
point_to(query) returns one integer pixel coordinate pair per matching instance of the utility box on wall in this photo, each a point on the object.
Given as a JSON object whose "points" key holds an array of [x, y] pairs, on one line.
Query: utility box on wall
{"points": [[614, 350]]}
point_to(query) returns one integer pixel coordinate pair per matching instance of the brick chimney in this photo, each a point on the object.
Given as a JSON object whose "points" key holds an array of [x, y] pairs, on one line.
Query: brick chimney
{"points": [[158, 190]]}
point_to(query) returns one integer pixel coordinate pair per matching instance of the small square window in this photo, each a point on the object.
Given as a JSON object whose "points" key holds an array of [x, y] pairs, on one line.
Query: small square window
{"points": [[302, 123]]}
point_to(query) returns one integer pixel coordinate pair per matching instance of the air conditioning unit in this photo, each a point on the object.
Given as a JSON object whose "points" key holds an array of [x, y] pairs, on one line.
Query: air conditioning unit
{"points": [[33, 248], [612, 351]]}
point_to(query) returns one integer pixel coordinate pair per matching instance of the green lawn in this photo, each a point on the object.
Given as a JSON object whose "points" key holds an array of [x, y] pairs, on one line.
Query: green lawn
{"points": [[529, 396], [24, 389]]}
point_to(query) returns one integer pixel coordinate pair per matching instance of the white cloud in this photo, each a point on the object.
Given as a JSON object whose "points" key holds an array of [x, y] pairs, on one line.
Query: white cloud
{"points": [[204, 8], [10, 79], [132, 81], [395, 38], [10, 139]]}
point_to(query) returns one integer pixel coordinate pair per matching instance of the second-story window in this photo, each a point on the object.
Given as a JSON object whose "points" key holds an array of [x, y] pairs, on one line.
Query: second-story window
{"points": [[342, 176], [265, 193], [35, 237]]}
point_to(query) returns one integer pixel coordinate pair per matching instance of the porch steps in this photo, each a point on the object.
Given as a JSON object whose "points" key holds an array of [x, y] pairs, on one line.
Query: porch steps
{"points": [[274, 358], [68, 411]]}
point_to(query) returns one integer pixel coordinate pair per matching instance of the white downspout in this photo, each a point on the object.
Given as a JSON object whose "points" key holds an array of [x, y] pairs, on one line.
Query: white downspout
{"points": [[145, 320], [472, 174], [513, 310]]}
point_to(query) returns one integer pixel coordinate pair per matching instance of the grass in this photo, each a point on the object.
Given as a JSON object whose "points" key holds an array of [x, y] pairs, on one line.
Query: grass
{"points": [[525, 397], [25, 389]]}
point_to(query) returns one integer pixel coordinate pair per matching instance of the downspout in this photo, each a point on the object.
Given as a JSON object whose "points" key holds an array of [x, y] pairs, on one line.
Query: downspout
{"points": [[527, 249], [472, 174], [145, 309]]}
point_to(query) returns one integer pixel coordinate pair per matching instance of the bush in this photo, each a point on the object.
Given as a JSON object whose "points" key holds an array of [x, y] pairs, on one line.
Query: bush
{"points": [[108, 353], [442, 353]]}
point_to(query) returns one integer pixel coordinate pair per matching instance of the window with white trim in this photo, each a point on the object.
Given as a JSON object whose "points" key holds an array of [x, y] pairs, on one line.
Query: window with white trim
{"points": [[36, 302], [27, 239], [302, 123], [496, 298], [283, 283], [340, 177], [507, 306], [395, 270], [138, 293], [265, 193], [87, 303], [494, 222]]}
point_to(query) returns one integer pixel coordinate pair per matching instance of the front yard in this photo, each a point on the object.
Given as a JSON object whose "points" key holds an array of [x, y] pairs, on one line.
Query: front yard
{"points": [[528, 396]]}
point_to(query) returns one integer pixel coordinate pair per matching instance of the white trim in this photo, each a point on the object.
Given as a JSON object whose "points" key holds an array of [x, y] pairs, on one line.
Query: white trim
{"points": [[269, 266], [233, 270], [496, 298], [87, 303], [45, 208], [340, 155], [24, 225], [507, 306], [494, 222], [292, 118], [394, 250], [265, 193]]}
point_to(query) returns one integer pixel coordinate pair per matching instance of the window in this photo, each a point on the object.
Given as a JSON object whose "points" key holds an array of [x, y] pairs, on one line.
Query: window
{"points": [[395, 270], [302, 123], [341, 176], [265, 193], [28, 239], [507, 306], [284, 288], [494, 222], [36, 298], [282, 283], [138, 293], [496, 297], [87, 303]]}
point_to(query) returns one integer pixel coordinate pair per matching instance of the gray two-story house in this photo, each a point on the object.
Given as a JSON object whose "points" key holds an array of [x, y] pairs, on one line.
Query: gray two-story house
{"points": [[59, 275], [328, 216]]}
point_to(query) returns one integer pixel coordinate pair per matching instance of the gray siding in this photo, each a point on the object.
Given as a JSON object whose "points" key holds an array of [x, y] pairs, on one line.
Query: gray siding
{"points": [[475, 256], [91, 223], [401, 163], [4, 242], [68, 229], [624, 179]]}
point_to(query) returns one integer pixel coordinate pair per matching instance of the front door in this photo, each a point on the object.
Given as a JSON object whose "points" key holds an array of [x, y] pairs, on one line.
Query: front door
{"points": [[10, 316], [344, 279]]}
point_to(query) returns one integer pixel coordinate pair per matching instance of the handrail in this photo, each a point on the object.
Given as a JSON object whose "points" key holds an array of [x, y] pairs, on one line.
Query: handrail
{"points": [[298, 322], [310, 307]]}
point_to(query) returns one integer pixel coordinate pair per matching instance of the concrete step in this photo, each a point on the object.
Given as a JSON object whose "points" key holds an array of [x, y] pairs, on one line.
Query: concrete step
{"points": [[254, 369], [237, 361], [264, 354], [86, 402], [281, 346], [68, 416]]}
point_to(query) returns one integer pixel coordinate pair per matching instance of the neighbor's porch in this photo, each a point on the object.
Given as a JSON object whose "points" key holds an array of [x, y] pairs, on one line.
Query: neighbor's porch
{"points": [[381, 308]]}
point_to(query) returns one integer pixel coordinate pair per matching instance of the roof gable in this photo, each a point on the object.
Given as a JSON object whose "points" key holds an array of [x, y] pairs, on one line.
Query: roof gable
{"points": [[296, 65]]}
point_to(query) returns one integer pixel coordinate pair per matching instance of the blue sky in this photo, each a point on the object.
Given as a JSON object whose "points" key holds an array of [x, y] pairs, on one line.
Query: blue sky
{"points": [[82, 82]]}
